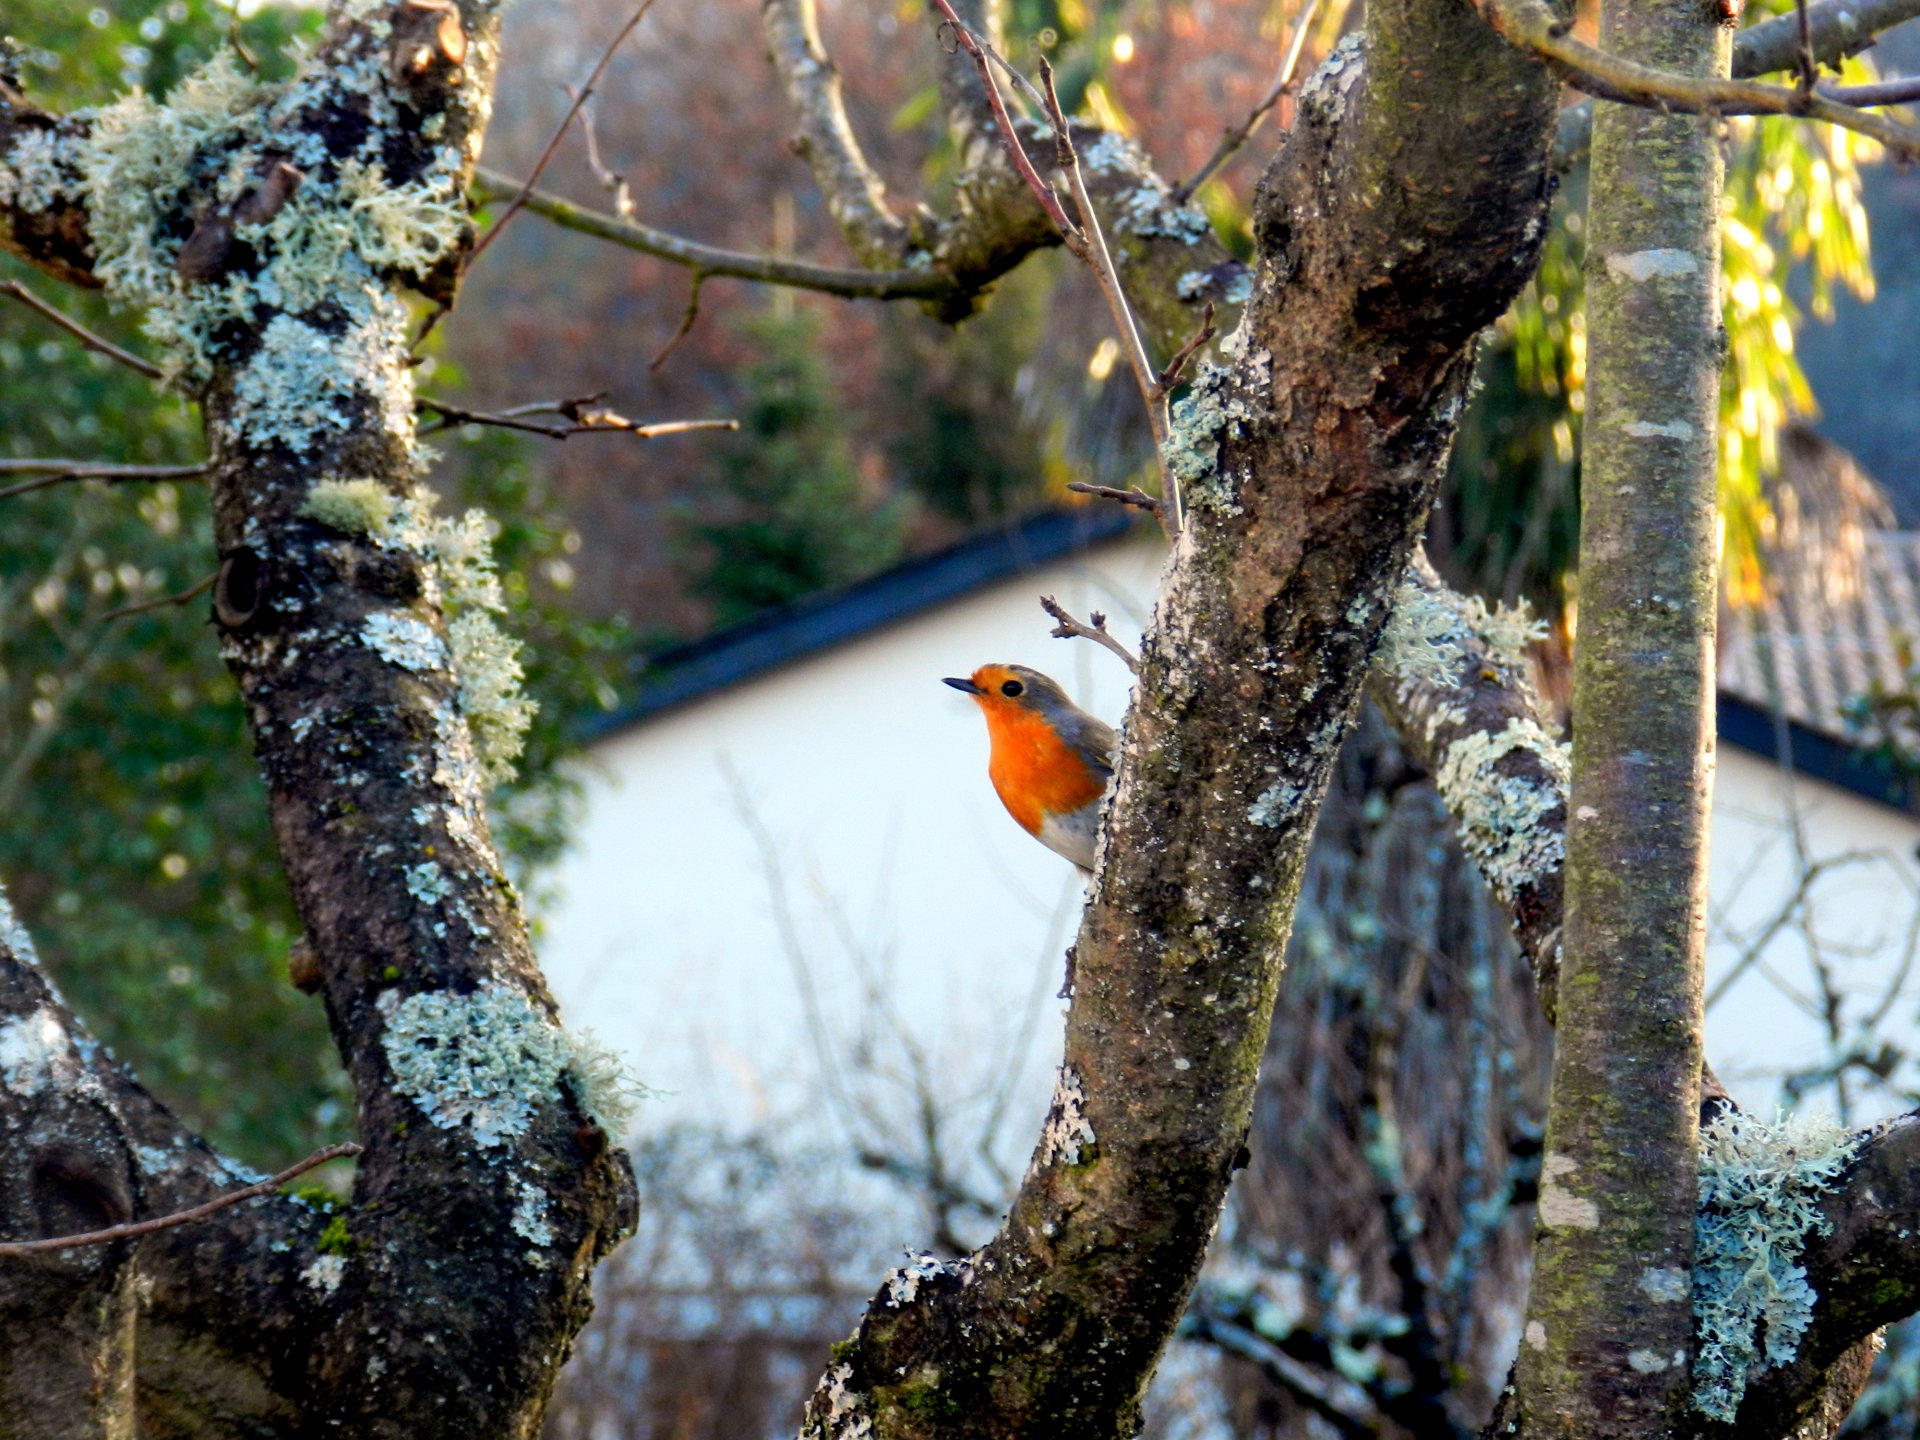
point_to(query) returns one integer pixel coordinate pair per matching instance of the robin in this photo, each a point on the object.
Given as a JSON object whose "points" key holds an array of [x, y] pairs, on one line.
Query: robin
{"points": [[1050, 760]]}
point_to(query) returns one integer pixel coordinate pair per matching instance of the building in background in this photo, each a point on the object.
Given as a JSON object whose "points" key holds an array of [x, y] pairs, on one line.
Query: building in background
{"points": [[793, 897]]}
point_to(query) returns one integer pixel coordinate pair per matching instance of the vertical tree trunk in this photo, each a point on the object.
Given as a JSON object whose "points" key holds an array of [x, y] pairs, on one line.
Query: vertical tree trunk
{"points": [[1608, 1339]]}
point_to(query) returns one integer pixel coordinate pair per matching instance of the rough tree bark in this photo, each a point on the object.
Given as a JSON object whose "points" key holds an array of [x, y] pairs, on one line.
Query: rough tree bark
{"points": [[1402, 216], [1609, 1338], [264, 231], [263, 228]]}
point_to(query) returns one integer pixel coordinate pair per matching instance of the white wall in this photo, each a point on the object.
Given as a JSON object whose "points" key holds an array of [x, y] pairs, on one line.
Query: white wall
{"points": [[1855, 918], [865, 779]]}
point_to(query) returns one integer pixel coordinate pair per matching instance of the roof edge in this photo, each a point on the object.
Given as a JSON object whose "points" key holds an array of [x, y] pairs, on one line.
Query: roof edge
{"points": [[756, 647], [1810, 752]]}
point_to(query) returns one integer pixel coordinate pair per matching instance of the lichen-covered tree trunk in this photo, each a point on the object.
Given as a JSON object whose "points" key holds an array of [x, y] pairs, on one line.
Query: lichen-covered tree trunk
{"points": [[264, 230], [1609, 1334], [1402, 216]]}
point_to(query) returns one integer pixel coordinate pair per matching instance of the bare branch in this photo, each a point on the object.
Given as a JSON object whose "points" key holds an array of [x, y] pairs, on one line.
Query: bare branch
{"points": [[1101, 259], [854, 283], [687, 319], [1068, 628], [1532, 25], [1170, 376], [856, 196], [1135, 496], [181, 598], [612, 181], [1840, 28], [584, 414], [182, 1217], [1238, 135], [1010, 138], [546, 156], [99, 344], [85, 470]]}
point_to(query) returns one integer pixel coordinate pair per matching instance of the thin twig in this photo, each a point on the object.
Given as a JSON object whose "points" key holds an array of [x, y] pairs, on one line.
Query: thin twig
{"points": [[1233, 139], [614, 183], [81, 470], [1809, 71], [451, 415], [181, 1217], [553, 145], [180, 599], [686, 321], [13, 289], [1068, 628], [1136, 497], [584, 415], [1532, 25], [1170, 515], [1902, 90], [849, 281], [1168, 378], [977, 51], [240, 48]]}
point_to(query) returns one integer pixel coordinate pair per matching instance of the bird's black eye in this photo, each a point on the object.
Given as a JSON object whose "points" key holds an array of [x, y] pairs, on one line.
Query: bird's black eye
{"points": [[1012, 688]]}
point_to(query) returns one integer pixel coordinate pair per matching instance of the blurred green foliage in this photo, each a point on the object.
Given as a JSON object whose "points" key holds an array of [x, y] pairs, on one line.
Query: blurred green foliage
{"points": [[798, 520], [136, 842], [1510, 515]]}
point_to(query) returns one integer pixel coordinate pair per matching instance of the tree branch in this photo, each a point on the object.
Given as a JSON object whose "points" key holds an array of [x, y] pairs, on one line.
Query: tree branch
{"points": [[135, 1229], [559, 133], [1068, 628], [1532, 25], [71, 471], [856, 195], [99, 344], [1839, 27], [1238, 135], [925, 283]]}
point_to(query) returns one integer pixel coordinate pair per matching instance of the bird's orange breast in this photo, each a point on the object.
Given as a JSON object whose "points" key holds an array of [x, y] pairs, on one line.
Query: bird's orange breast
{"points": [[1033, 770]]}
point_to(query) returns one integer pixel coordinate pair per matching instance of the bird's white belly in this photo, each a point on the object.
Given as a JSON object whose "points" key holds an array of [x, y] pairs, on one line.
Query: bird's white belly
{"points": [[1072, 834]]}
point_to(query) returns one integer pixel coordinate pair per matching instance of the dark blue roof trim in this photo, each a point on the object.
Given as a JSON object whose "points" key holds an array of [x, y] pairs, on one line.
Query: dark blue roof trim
{"points": [[1811, 753], [689, 672]]}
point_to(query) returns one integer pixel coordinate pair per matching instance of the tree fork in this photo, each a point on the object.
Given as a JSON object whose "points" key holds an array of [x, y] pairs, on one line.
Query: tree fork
{"points": [[1609, 1338]]}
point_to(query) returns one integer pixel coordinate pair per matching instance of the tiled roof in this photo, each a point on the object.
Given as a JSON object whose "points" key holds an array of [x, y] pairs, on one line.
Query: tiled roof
{"points": [[1828, 635]]}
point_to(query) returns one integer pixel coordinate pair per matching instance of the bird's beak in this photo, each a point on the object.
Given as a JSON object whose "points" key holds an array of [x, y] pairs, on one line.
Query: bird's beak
{"points": [[966, 685]]}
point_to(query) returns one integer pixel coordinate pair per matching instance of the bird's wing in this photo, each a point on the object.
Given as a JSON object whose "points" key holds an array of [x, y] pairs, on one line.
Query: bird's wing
{"points": [[1096, 742]]}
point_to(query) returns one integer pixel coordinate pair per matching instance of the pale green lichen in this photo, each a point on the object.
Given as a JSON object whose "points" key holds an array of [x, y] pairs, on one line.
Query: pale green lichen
{"points": [[1501, 816], [485, 1061], [1506, 629], [602, 1085], [13, 935], [838, 1411], [903, 1281], [329, 243], [1069, 1133], [354, 507], [32, 1046], [1275, 804], [1760, 1192], [33, 175], [403, 640], [1423, 639], [1214, 408], [427, 882], [301, 384], [1149, 208], [529, 1220], [325, 1273]]}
